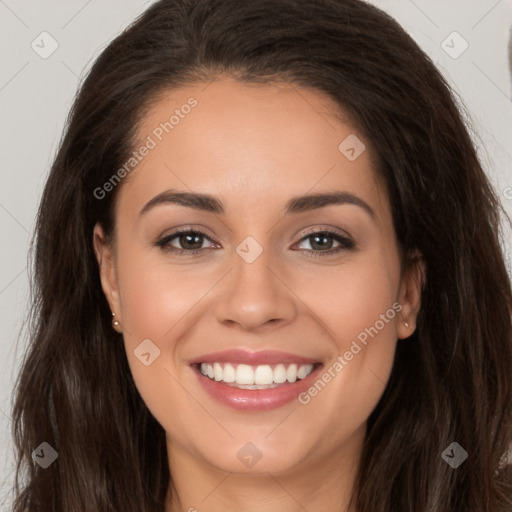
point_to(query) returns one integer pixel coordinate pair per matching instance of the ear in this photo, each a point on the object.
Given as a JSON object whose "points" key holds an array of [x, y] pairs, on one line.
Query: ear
{"points": [[409, 297], [108, 275]]}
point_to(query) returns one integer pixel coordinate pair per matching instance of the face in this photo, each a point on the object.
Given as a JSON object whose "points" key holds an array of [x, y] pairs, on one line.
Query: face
{"points": [[256, 283]]}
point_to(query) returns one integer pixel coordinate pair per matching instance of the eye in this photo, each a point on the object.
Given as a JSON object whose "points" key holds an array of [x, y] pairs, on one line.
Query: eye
{"points": [[190, 241], [323, 240]]}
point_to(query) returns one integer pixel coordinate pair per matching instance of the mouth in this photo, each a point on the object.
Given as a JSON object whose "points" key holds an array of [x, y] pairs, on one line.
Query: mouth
{"points": [[244, 376], [255, 381]]}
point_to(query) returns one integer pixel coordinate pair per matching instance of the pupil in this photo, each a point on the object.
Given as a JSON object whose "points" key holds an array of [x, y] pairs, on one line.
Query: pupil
{"points": [[323, 241], [187, 238]]}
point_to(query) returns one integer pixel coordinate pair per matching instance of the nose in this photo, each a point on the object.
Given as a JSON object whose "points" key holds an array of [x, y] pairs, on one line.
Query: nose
{"points": [[254, 296]]}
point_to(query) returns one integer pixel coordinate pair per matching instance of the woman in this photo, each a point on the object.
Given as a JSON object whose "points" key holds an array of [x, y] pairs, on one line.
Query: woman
{"points": [[268, 275]]}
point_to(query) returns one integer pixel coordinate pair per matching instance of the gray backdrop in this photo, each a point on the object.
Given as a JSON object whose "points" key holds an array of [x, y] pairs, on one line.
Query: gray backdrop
{"points": [[46, 47]]}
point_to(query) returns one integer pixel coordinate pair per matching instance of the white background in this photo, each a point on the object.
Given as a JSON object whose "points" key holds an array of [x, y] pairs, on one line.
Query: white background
{"points": [[36, 94]]}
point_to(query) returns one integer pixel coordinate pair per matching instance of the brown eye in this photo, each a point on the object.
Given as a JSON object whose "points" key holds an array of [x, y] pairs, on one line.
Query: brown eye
{"points": [[323, 241], [184, 241], [190, 241]]}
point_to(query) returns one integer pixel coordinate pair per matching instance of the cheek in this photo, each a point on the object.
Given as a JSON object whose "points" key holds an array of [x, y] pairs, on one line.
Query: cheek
{"points": [[155, 301], [351, 297], [368, 314], [357, 303], [155, 295]]}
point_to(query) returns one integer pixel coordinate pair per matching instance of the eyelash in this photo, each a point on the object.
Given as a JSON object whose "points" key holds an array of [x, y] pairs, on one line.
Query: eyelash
{"points": [[346, 243]]}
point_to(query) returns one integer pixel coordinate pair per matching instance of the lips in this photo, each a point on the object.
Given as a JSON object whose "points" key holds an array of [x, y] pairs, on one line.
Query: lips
{"points": [[271, 357], [255, 397]]}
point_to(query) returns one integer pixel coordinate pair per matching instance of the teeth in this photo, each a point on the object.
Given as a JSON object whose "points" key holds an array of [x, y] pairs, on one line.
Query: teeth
{"points": [[228, 374], [302, 372], [217, 371], [255, 377], [244, 374], [291, 373], [263, 375], [279, 374]]}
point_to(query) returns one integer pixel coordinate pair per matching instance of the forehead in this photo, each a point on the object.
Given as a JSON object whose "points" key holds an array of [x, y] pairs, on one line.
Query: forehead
{"points": [[226, 138]]}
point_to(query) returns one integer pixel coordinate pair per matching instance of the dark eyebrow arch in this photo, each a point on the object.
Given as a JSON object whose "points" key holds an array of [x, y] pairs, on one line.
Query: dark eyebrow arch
{"points": [[298, 204]]}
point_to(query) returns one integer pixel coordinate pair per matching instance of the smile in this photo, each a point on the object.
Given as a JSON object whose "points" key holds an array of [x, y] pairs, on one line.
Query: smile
{"points": [[265, 376], [254, 381]]}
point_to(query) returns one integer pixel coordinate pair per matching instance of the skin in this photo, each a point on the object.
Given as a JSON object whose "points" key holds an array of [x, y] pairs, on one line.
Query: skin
{"points": [[255, 147]]}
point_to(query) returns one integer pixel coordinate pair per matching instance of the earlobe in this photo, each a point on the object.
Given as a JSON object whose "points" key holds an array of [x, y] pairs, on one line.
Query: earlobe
{"points": [[411, 287], [106, 264]]}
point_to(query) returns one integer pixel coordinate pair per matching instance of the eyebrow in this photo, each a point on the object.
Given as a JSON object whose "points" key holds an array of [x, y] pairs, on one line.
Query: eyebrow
{"points": [[298, 204]]}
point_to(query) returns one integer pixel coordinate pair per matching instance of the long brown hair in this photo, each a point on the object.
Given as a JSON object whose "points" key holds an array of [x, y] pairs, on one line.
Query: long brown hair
{"points": [[451, 381]]}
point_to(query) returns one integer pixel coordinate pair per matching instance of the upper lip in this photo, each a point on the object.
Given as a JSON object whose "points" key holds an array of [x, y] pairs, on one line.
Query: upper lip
{"points": [[241, 356]]}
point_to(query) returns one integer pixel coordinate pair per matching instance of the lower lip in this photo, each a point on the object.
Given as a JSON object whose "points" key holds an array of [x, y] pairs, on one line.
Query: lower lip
{"points": [[256, 399]]}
